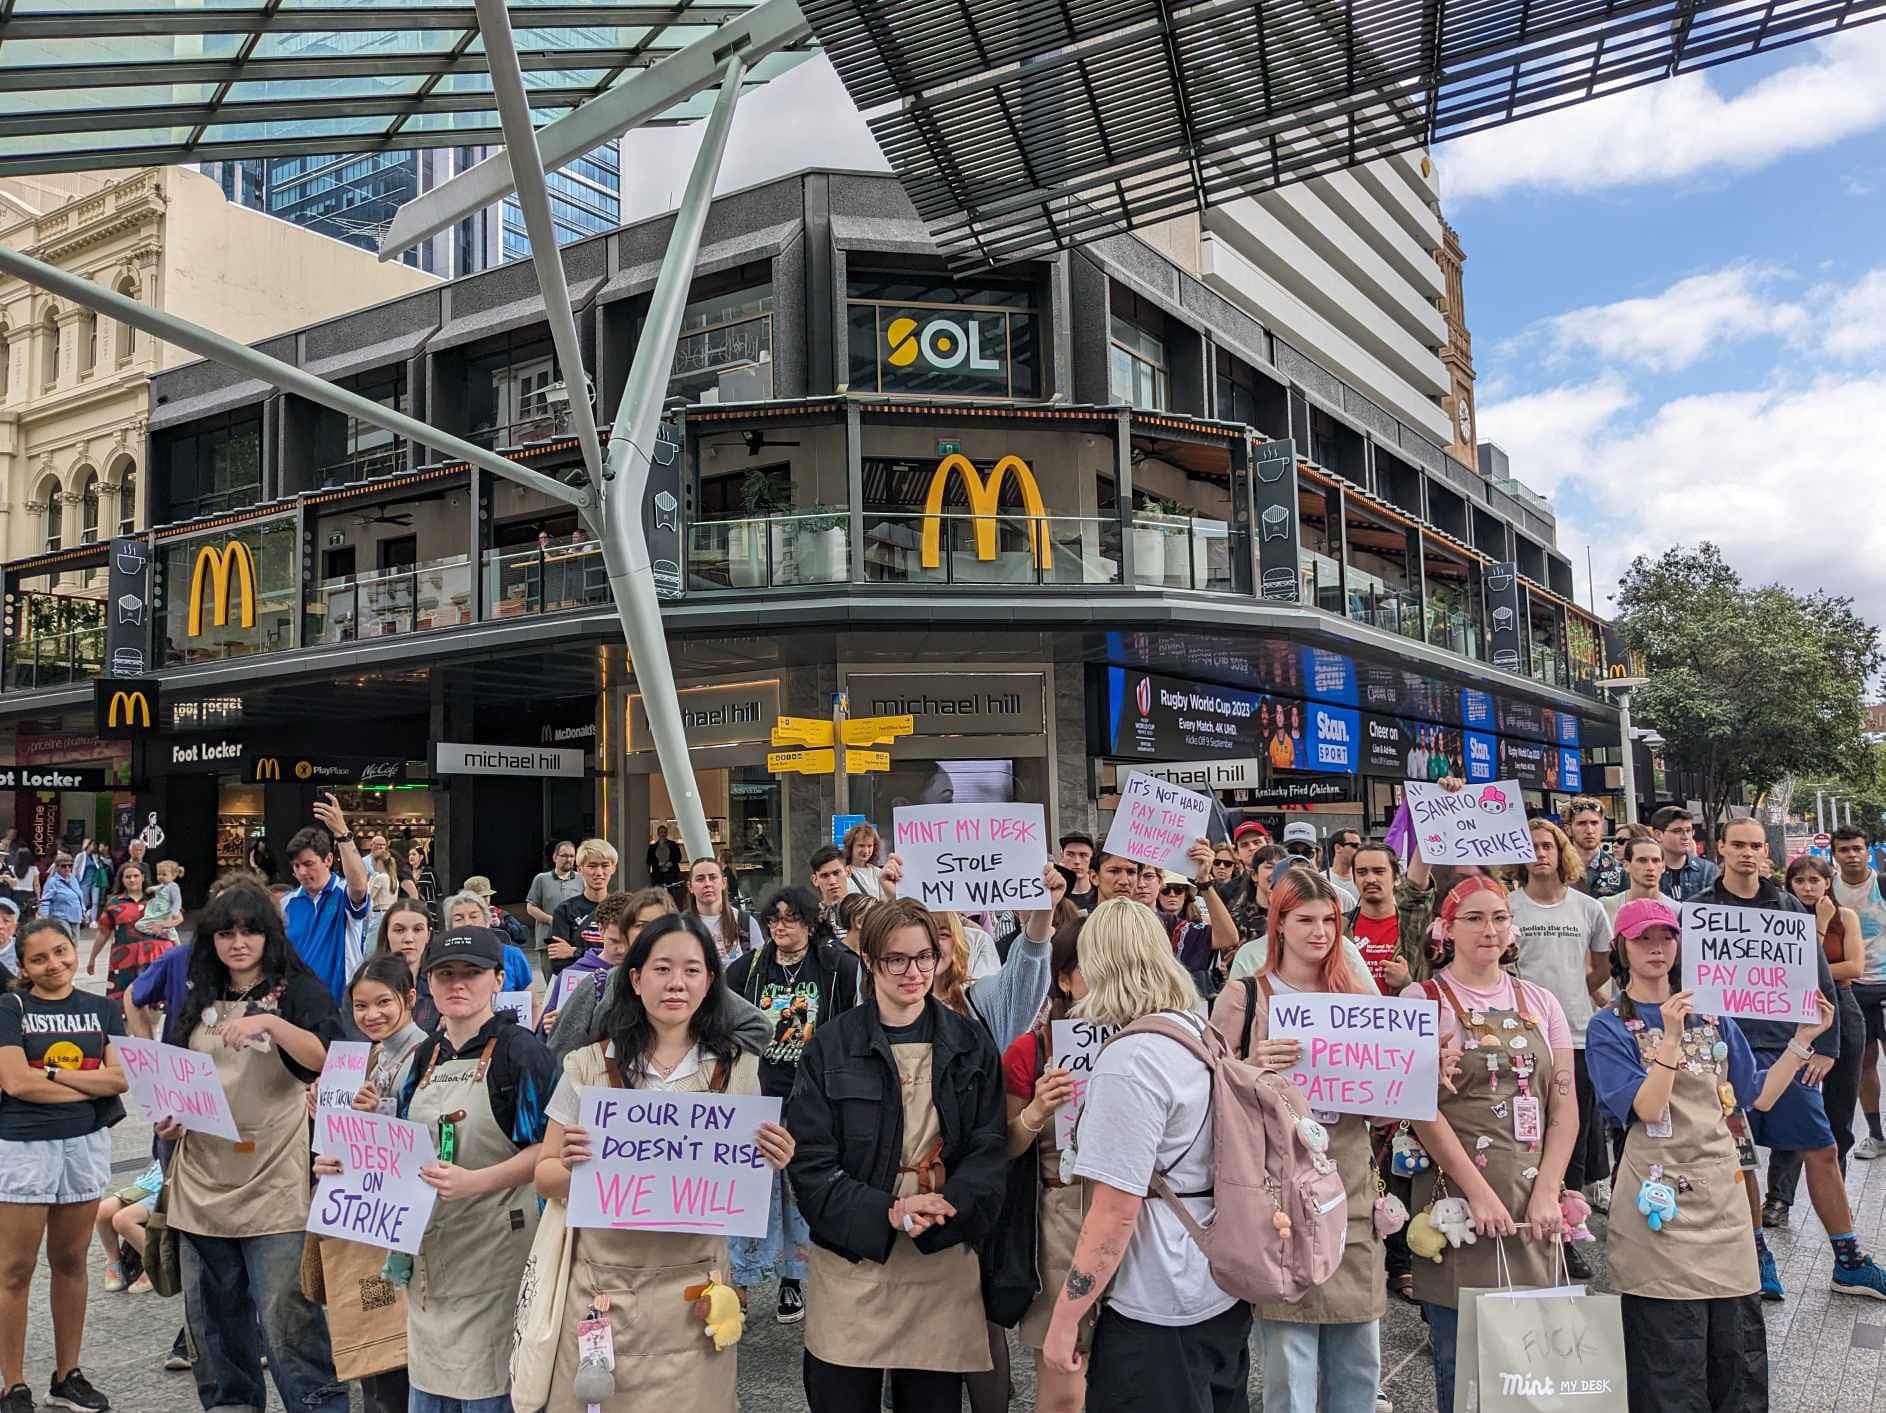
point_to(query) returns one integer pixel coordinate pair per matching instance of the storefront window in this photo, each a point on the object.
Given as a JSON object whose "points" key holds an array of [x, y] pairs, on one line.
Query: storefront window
{"points": [[229, 594], [935, 338], [365, 449], [215, 466], [1453, 603], [239, 824], [1321, 564], [1247, 396], [744, 819], [725, 353], [1542, 643], [1382, 587], [1583, 648], [1136, 359]]}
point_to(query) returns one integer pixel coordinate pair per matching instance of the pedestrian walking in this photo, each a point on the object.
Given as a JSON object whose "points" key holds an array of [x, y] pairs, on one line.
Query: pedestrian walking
{"points": [[555, 885], [131, 951], [62, 897]]}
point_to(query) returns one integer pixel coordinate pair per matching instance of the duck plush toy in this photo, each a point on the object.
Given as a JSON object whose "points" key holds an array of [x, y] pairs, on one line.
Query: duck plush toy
{"points": [[1423, 1240], [718, 1308]]}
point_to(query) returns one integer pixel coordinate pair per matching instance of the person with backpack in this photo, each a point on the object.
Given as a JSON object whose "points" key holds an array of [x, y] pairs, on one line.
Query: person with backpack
{"points": [[1506, 1125], [1325, 1350]]}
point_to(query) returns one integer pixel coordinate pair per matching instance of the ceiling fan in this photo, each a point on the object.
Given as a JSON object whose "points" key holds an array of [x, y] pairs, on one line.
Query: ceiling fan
{"points": [[385, 517], [755, 439]]}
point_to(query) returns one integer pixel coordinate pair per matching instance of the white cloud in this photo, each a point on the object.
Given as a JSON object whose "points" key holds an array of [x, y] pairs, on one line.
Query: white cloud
{"points": [[1550, 435], [1679, 128], [1856, 324], [1686, 322]]}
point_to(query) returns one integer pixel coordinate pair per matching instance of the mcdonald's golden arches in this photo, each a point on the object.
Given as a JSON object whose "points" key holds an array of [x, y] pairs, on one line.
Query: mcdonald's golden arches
{"points": [[268, 768], [125, 707], [223, 571], [984, 497]]}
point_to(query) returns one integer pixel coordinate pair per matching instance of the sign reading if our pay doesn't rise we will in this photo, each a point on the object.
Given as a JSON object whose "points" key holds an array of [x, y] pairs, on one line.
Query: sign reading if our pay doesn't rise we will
{"points": [[1156, 823], [972, 857]]}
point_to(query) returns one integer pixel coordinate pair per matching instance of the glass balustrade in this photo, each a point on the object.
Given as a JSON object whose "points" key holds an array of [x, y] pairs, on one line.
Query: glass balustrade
{"points": [[411, 599], [769, 551]]}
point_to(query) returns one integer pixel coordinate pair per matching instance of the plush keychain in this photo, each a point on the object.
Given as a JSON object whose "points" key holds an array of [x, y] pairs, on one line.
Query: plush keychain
{"points": [[595, 1380], [1389, 1215], [718, 1308], [1407, 1156], [1453, 1219], [1657, 1201], [1573, 1209], [1423, 1240]]}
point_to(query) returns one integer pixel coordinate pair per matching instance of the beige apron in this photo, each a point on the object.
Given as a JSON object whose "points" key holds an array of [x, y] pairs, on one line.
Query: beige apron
{"points": [[1482, 1107], [1708, 1252], [914, 1311], [665, 1362], [1358, 1291], [260, 1185], [461, 1305]]}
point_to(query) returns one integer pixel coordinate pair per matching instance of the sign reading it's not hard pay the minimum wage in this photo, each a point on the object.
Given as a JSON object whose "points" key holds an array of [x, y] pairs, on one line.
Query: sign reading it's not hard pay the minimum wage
{"points": [[1374, 1055], [171, 1082], [378, 1197], [1755, 963], [972, 857], [673, 1162], [1481, 824], [1157, 822]]}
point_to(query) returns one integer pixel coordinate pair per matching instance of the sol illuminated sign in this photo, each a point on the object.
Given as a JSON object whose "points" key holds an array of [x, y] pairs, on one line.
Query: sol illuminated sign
{"points": [[942, 343], [984, 497], [939, 351]]}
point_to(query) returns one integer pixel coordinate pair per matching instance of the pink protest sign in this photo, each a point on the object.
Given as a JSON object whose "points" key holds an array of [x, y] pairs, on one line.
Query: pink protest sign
{"points": [[174, 1083]]}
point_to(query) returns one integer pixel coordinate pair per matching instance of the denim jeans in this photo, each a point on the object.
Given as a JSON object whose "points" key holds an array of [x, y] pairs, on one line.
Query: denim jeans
{"points": [[242, 1297], [1332, 1368], [1443, 1334], [419, 1401], [756, 1259]]}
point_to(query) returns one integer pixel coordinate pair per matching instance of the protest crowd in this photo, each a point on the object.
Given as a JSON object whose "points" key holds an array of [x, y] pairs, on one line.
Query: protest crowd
{"points": [[1168, 1101]]}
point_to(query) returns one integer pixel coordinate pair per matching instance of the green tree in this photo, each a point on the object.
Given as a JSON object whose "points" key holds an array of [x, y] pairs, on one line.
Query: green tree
{"points": [[1746, 684]]}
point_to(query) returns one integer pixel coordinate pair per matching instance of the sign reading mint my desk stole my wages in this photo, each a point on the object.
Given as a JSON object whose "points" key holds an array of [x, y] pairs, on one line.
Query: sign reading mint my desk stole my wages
{"points": [[1481, 824], [673, 1162], [972, 858], [1156, 823], [1754, 963]]}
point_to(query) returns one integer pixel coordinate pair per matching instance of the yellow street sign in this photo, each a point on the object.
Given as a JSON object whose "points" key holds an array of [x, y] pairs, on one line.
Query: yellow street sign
{"points": [[858, 762], [804, 762], [801, 731], [878, 730]]}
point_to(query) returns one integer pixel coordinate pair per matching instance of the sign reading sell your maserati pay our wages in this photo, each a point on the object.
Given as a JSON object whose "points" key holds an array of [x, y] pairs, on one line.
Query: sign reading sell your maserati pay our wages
{"points": [[1157, 822], [1755, 963], [973, 857]]}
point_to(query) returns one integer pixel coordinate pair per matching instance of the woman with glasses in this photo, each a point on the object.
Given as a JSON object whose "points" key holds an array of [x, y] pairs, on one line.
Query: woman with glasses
{"points": [[1505, 1129], [900, 1170]]}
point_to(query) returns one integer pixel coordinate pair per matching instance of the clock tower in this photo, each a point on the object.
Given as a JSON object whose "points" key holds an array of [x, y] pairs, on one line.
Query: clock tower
{"points": [[1458, 355]]}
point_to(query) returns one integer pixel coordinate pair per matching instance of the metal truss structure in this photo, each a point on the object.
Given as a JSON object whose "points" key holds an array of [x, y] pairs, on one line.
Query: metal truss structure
{"points": [[1024, 126]]}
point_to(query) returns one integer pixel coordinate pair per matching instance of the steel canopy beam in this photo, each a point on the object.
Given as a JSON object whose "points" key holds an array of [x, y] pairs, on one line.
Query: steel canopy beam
{"points": [[273, 371], [767, 28]]}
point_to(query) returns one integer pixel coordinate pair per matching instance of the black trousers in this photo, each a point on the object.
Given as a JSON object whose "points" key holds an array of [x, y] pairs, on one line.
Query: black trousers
{"points": [[1841, 1092], [1202, 1368], [1696, 1356], [384, 1393], [835, 1388], [1591, 1156]]}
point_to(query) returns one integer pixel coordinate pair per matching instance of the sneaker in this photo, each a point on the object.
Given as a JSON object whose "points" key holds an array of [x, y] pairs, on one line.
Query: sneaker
{"points": [[1598, 1194], [114, 1279], [1774, 1213], [1576, 1266], [791, 1304], [140, 1286], [1771, 1278], [1383, 1404], [76, 1392], [1870, 1147], [1864, 1279], [19, 1399], [178, 1359]]}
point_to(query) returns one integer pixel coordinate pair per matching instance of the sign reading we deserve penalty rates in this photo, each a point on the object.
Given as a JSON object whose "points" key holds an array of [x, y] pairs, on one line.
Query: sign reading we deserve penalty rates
{"points": [[1374, 1055], [378, 1197], [1755, 963], [174, 1083], [673, 1162], [972, 857]]}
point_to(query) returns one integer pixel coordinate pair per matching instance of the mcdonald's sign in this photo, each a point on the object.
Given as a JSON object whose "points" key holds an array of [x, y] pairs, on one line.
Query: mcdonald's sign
{"points": [[125, 707], [230, 569], [268, 768], [984, 498]]}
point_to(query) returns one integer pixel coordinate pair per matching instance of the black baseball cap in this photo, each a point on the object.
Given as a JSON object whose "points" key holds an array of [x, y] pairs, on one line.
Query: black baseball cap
{"points": [[476, 946]]}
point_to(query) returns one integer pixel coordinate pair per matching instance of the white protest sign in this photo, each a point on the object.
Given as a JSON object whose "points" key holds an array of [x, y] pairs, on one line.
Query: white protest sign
{"points": [[972, 858], [343, 1074], [1374, 1055], [378, 1198], [518, 1003], [174, 1083], [1157, 822], [673, 1162], [1757, 963], [1481, 824], [1075, 1043]]}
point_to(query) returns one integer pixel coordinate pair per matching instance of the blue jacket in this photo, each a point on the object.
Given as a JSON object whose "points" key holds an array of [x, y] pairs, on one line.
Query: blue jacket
{"points": [[64, 899]]}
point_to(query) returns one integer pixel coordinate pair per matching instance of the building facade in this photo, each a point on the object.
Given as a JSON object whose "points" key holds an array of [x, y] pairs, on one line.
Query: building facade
{"points": [[1075, 517]]}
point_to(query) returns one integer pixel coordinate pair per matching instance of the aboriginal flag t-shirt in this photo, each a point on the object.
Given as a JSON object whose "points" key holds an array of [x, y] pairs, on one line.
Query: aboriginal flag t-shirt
{"points": [[70, 1035]]}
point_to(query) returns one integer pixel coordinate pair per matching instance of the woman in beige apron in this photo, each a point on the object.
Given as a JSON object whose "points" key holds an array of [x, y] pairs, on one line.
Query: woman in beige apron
{"points": [[1506, 1124], [240, 1208], [1037, 1090], [480, 1085], [1323, 1352], [1694, 1341], [674, 1024], [900, 1172]]}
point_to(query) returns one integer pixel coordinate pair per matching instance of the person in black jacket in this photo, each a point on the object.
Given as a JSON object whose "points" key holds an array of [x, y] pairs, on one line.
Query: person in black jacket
{"points": [[799, 984], [900, 1171]]}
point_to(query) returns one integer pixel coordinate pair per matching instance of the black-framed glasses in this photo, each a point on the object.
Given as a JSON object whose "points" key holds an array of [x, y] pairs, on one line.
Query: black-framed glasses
{"points": [[900, 963], [1173, 888], [1224, 863], [790, 919]]}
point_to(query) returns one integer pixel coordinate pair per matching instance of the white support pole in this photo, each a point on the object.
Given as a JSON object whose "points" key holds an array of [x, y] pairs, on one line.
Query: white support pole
{"points": [[625, 474], [766, 29], [533, 197], [1820, 812], [1627, 757], [273, 371]]}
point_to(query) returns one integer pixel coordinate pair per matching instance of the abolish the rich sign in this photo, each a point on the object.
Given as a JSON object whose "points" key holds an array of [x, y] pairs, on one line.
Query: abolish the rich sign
{"points": [[1756, 963], [1374, 1055], [377, 1198], [174, 1083], [973, 857], [1484, 824], [673, 1162], [1156, 822]]}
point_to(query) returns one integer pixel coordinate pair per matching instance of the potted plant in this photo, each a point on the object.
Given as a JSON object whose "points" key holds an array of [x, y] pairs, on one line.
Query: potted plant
{"points": [[1159, 545], [818, 546], [747, 540]]}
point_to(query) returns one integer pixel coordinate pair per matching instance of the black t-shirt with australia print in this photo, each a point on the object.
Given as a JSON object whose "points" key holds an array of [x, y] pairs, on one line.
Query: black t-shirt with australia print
{"points": [[70, 1034]]}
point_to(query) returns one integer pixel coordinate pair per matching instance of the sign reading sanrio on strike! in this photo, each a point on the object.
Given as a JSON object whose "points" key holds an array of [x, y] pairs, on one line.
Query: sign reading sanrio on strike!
{"points": [[1484, 824]]}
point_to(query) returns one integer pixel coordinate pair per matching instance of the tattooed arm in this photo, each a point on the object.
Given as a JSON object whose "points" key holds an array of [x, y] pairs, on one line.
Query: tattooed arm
{"points": [[1111, 1217], [1561, 1131]]}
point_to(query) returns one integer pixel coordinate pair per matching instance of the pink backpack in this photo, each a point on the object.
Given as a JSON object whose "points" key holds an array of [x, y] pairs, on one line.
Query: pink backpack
{"points": [[1282, 1211]]}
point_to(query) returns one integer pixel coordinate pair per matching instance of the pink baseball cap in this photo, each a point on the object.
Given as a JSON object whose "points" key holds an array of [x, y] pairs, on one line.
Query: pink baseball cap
{"points": [[1640, 913]]}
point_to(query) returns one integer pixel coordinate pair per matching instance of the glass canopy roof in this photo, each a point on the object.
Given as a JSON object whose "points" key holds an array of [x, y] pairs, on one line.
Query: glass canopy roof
{"points": [[115, 83]]}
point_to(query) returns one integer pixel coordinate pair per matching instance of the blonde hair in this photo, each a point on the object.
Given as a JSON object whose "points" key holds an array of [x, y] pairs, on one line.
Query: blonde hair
{"points": [[168, 870], [595, 850], [1126, 960], [1571, 862], [952, 972]]}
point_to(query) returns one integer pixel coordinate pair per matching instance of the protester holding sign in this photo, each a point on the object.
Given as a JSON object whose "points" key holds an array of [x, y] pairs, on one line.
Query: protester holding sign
{"points": [[59, 1087], [479, 1085], [1693, 1331], [669, 1031], [1325, 1350], [241, 1207], [1506, 1126], [900, 1171]]}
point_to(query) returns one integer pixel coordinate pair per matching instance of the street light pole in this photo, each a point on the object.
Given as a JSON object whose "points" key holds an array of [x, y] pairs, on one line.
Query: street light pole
{"points": [[1627, 755]]}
